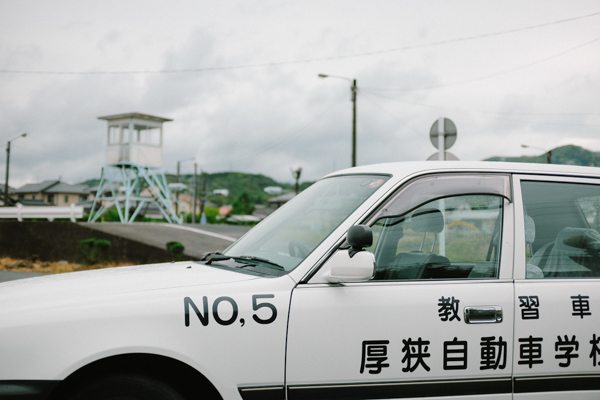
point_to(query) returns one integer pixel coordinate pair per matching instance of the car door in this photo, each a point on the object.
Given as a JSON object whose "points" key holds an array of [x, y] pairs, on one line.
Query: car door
{"points": [[435, 321], [557, 288]]}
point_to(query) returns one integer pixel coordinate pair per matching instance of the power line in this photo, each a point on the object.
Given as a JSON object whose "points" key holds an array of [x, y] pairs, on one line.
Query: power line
{"points": [[488, 113], [395, 117], [481, 78], [304, 61]]}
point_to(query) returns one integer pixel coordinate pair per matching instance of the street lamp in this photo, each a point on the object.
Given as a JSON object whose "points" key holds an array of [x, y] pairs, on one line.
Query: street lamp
{"points": [[353, 89], [177, 194], [548, 152], [296, 174], [7, 165]]}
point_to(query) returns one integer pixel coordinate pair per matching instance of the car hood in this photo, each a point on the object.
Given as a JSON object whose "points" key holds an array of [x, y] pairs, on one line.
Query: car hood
{"points": [[54, 290]]}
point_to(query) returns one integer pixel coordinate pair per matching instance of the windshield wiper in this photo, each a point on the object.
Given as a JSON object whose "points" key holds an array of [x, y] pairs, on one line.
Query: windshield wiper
{"points": [[213, 256], [259, 259]]}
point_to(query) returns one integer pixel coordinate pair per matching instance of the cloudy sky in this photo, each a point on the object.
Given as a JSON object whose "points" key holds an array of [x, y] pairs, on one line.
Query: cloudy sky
{"points": [[240, 80]]}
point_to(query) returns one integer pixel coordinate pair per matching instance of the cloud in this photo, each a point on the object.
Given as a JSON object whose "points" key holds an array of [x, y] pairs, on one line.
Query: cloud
{"points": [[266, 119]]}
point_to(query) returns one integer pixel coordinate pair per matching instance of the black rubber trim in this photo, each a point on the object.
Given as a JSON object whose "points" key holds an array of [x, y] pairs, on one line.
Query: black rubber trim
{"points": [[21, 389], [402, 390], [264, 392], [557, 383]]}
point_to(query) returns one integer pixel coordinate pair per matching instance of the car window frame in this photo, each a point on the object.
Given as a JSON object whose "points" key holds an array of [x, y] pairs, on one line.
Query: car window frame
{"points": [[502, 205], [520, 252], [505, 273]]}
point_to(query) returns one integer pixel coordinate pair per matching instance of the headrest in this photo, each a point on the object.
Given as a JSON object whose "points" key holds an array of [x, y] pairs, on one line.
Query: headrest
{"points": [[529, 229], [427, 220]]}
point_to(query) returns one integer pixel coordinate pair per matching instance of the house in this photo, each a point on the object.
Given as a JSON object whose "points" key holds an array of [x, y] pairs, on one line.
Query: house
{"points": [[11, 195], [55, 193], [278, 201]]}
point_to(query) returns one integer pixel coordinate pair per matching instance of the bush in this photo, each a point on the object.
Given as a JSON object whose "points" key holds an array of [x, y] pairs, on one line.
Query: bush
{"points": [[110, 215], [211, 214], [176, 249], [94, 249], [243, 205]]}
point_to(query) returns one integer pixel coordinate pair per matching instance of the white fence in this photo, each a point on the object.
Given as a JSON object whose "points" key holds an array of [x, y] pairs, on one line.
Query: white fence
{"points": [[51, 212]]}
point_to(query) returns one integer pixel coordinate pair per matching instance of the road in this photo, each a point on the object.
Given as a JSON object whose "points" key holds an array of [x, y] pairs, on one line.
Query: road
{"points": [[6, 276], [197, 238]]}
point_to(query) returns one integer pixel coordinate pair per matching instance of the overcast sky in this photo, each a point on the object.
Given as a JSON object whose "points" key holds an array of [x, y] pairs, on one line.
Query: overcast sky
{"points": [[506, 72]]}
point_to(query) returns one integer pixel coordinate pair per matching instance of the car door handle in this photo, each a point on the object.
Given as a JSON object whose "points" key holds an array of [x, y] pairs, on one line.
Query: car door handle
{"points": [[483, 315]]}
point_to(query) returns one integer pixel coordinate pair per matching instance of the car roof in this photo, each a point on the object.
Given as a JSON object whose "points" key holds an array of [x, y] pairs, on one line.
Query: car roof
{"points": [[407, 168]]}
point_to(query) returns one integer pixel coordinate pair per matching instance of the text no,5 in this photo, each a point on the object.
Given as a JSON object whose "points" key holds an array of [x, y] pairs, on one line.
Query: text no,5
{"points": [[257, 304]]}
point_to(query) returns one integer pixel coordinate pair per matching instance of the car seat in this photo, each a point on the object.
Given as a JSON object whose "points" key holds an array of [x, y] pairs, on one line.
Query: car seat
{"points": [[414, 264], [574, 254]]}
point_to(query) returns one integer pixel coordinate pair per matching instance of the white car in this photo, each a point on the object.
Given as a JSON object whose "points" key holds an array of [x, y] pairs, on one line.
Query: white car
{"points": [[462, 280]]}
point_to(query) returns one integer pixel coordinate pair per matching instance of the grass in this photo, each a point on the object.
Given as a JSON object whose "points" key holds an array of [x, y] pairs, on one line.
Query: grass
{"points": [[51, 267]]}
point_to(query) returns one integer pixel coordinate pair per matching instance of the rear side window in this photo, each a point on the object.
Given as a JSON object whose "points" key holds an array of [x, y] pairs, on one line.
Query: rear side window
{"points": [[562, 221]]}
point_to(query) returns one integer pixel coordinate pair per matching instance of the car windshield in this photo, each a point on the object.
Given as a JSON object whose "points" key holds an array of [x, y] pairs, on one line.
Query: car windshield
{"points": [[291, 233]]}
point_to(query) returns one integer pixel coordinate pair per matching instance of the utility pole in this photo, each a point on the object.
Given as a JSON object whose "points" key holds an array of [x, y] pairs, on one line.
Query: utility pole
{"points": [[6, 178], [354, 90], [548, 152], [177, 193], [7, 167], [179, 189], [296, 174], [203, 198], [195, 193]]}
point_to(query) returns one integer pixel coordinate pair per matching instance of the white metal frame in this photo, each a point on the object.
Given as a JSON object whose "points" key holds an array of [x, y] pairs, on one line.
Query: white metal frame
{"points": [[21, 212], [121, 186]]}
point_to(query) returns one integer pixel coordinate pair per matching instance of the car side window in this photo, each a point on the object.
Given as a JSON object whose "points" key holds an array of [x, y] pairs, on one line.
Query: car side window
{"points": [[562, 221], [456, 237]]}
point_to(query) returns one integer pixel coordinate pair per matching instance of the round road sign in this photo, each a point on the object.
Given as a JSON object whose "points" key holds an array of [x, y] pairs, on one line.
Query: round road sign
{"points": [[449, 157], [449, 131]]}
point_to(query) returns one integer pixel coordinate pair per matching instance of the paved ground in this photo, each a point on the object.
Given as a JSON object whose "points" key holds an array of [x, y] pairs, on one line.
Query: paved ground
{"points": [[12, 275], [197, 238]]}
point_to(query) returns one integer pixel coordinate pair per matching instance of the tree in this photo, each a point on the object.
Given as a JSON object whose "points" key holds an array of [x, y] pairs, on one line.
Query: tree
{"points": [[242, 205]]}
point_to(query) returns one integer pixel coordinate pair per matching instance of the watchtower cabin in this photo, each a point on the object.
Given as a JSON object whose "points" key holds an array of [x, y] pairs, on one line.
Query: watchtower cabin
{"points": [[134, 138]]}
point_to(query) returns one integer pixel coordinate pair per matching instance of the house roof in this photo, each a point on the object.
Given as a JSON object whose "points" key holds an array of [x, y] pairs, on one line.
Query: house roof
{"points": [[31, 202], [10, 189], [52, 187], [283, 198], [62, 187], [36, 187], [135, 115]]}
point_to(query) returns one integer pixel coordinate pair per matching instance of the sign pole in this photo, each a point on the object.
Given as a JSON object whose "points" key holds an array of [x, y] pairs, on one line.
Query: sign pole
{"points": [[441, 141], [441, 156]]}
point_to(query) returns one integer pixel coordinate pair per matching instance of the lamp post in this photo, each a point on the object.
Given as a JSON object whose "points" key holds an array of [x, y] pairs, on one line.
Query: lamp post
{"points": [[353, 89], [548, 152], [177, 194], [296, 174], [7, 166]]}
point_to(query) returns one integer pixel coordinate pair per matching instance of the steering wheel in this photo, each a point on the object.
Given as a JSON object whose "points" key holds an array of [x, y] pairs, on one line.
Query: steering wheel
{"points": [[297, 249]]}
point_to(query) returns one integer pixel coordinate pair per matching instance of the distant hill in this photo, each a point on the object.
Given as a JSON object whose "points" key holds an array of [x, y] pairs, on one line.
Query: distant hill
{"points": [[91, 182], [569, 155], [235, 182]]}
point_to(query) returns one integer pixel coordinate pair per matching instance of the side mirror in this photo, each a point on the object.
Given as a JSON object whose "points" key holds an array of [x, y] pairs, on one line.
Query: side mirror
{"points": [[343, 268], [355, 264], [359, 237]]}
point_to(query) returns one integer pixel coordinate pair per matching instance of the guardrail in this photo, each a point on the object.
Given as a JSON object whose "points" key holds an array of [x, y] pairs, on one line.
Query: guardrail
{"points": [[50, 212]]}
